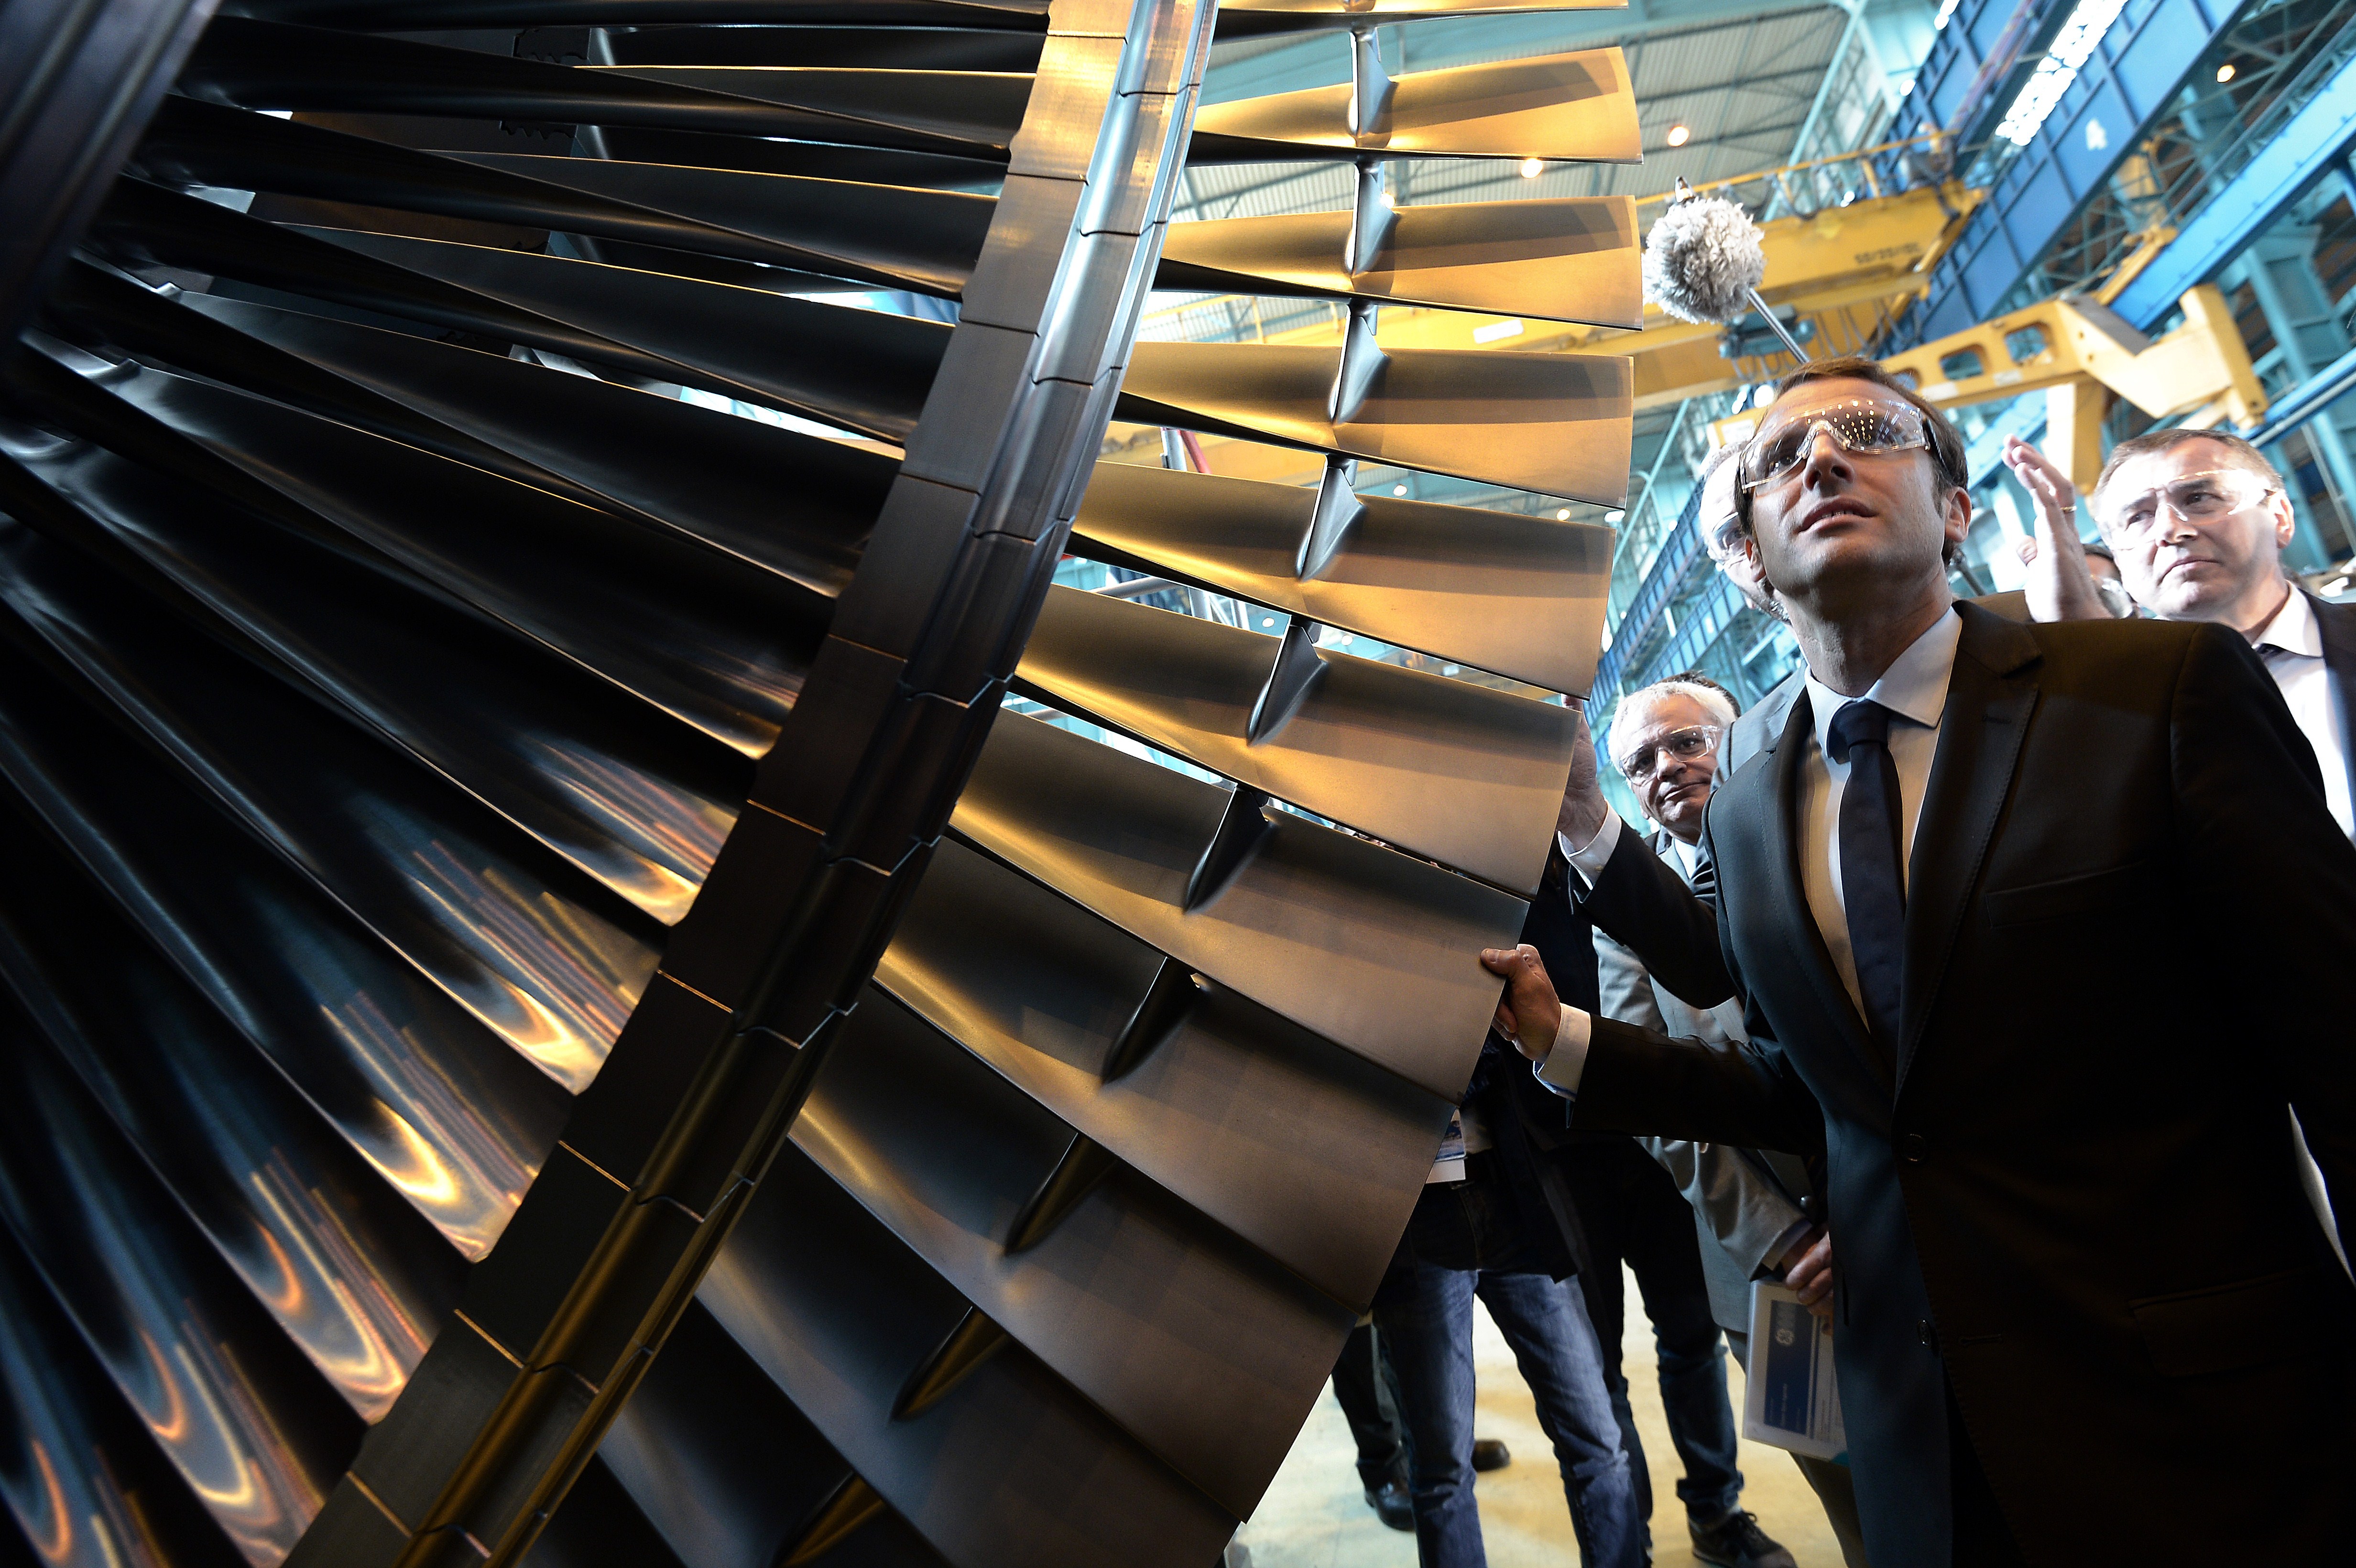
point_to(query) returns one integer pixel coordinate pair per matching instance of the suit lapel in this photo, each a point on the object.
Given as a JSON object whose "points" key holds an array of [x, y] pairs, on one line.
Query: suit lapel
{"points": [[1784, 831], [1990, 700]]}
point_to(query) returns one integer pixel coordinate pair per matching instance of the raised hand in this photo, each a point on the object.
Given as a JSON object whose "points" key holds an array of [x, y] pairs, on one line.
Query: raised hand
{"points": [[1580, 817], [2060, 588], [1528, 1014]]}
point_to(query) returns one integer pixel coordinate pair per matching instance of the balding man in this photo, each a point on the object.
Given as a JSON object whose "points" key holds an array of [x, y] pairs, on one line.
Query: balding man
{"points": [[2197, 522]]}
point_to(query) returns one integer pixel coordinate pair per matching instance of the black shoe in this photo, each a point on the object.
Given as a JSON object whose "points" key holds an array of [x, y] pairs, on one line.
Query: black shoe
{"points": [[1737, 1542], [1489, 1454], [1390, 1504]]}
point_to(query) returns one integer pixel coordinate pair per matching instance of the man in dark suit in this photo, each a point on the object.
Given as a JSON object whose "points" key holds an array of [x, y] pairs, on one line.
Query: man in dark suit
{"points": [[2043, 931], [2196, 521], [1496, 1222]]}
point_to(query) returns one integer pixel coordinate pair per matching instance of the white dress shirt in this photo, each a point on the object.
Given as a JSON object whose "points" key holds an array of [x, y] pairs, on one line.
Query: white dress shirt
{"points": [[1914, 689], [2292, 644]]}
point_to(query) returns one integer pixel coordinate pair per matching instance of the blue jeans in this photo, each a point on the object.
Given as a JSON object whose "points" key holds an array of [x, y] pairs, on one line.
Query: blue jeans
{"points": [[1633, 1213], [1429, 1333]]}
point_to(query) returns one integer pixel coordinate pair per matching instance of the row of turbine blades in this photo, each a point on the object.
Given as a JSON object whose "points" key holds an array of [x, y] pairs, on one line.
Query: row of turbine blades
{"points": [[414, 686]]}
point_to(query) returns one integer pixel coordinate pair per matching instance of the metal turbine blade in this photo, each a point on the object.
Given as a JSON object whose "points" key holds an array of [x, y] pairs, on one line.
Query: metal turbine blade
{"points": [[548, 1017]]}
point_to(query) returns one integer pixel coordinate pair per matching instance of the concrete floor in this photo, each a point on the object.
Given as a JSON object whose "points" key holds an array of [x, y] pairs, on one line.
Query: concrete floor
{"points": [[1314, 1515]]}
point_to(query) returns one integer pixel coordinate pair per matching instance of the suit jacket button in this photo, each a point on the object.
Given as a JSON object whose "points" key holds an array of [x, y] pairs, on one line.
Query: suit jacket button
{"points": [[1917, 1148], [1927, 1333]]}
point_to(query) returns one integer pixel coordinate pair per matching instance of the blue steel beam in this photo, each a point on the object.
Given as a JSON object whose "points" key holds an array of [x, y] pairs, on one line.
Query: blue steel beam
{"points": [[1661, 581], [1707, 619], [2125, 87], [2303, 402], [2314, 139], [1969, 64]]}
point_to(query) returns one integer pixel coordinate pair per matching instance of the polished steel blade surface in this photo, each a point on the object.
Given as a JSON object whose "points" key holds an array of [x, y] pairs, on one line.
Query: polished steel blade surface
{"points": [[1373, 950], [1518, 596], [1023, 16], [1306, 1151], [1561, 424], [1569, 108], [777, 352], [1206, 1350], [1578, 259], [708, 475], [251, 1427], [355, 1278], [735, 342], [77, 1466], [901, 238], [922, 109], [548, 962], [688, 629], [1448, 770], [1260, 18], [267, 66], [921, 240], [842, 45], [634, 801], [713, 1461], [984, 1474], [602, 1523], [451, 1117], [963, 171]]}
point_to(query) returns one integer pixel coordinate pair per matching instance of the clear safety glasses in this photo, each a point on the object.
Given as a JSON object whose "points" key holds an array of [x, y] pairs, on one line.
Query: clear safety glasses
{"points": [[1864, 427], [2195, 497], [1689, 744]]}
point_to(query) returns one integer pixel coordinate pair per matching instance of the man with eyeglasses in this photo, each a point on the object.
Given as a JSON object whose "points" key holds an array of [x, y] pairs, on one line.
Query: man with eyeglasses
{"points": [[2200, 519], [1749, 1210], [2197, 522], [2084, 1310]]}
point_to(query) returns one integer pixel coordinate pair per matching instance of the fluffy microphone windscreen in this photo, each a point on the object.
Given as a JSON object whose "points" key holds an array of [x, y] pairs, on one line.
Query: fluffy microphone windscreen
{"points": [[1702, 259]]}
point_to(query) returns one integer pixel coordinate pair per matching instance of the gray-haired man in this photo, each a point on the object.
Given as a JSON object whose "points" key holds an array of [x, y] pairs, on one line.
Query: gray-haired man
{"points": [[1754, 1208]]}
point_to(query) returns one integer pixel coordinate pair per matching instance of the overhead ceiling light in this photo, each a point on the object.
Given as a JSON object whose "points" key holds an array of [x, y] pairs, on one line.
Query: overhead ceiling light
{"points": [[1679, 135], [1613, 517], [1398, 489], [2225, 71], [1562, 514], [1532, 168], [2072, 47]]}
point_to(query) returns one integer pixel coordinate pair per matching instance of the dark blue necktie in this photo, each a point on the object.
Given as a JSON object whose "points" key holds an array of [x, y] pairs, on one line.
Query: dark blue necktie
{"points": [[1873, 892]]}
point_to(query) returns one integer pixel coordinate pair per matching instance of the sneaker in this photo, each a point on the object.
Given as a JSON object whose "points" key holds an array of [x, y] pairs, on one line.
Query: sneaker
{"points": [[1490, 1453], [1737, 1542], [1391, 1504]]}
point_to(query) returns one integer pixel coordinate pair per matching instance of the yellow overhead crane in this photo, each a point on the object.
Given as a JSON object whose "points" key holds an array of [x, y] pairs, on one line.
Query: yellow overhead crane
{"points": [[1848, 270], [2079, 354], [1846, 267]]}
